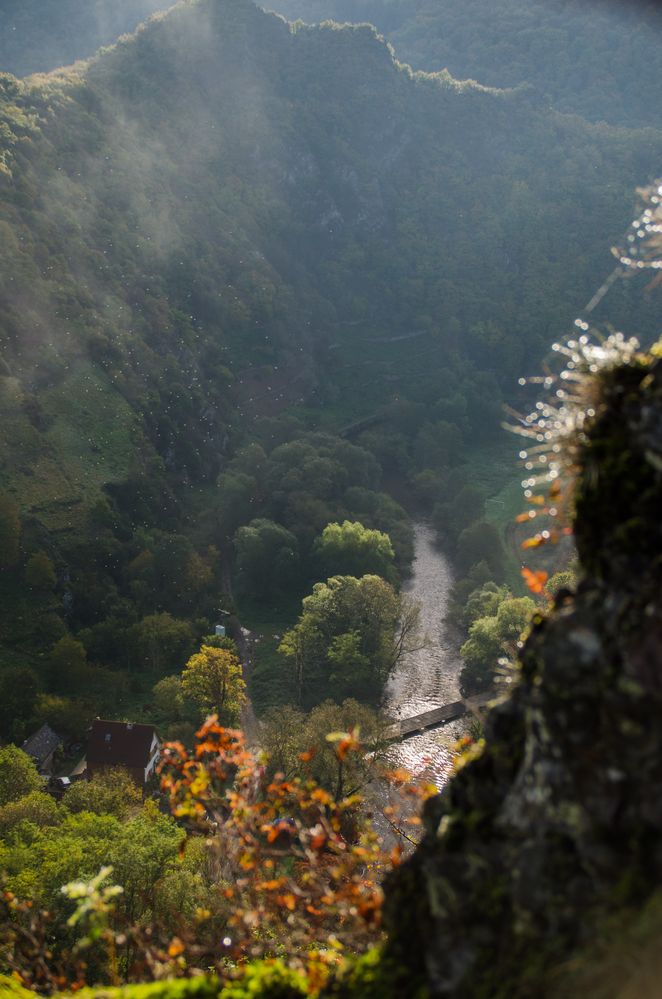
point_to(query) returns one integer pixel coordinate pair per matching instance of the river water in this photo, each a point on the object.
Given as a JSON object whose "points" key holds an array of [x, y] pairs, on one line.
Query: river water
{"points": [[428, 678]]}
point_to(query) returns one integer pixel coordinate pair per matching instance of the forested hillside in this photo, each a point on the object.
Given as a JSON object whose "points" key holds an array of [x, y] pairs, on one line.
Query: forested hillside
{"points": [[224, 241], [37, 36], [597, 58]]}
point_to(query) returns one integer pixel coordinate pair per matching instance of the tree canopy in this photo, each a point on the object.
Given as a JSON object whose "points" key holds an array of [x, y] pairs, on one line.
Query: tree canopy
{"points": [[213, 679], [18, 775], [349, 637], [354, 550]]}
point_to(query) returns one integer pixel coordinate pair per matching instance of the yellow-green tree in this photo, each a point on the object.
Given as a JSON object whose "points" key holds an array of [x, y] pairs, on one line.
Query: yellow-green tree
{"points": [[213, 679], [352, 549]]}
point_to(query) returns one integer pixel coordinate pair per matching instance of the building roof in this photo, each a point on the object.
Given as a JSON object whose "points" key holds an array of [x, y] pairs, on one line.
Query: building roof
{"points": [[119, 744], [42, 743]]}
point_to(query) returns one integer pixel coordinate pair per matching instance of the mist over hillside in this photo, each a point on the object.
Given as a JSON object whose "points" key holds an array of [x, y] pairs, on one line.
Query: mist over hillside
{"points": [[597, 58], [37, 36], [222, 183]]}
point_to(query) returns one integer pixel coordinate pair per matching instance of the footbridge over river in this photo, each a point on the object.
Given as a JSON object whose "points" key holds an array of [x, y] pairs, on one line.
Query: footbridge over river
{"points": [[406, 727]]}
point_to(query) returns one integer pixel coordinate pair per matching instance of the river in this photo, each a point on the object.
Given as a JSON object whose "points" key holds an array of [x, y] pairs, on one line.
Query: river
{"points": [[428, 678]]}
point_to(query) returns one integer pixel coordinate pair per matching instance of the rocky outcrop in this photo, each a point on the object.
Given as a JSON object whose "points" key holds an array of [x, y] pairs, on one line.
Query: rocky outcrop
{"points": [[557, 824]]}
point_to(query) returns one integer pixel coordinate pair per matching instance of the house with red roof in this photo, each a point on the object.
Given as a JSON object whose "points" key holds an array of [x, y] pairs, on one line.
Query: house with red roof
{"points": [[134, 747]]}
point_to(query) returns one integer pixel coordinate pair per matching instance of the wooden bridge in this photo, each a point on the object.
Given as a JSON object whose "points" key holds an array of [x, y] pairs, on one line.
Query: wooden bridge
{"points": [[407, 727]]}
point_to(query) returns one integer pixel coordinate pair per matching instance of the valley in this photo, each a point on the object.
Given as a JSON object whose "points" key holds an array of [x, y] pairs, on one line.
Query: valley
{"points": [[269, 291]]}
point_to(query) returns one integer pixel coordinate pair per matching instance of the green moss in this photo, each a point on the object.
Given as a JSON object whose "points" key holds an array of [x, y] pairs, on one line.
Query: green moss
{"points": [[266, 980]]}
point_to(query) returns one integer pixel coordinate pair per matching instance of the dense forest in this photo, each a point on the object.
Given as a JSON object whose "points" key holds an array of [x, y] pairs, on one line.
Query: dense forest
{"points": [[595, 58], [226, 242]]}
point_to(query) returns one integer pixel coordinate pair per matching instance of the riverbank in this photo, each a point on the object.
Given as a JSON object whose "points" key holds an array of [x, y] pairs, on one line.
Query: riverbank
{"points": [[430, 677]]}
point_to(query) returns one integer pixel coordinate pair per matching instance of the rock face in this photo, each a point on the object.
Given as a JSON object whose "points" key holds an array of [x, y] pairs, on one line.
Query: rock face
{"points": [[557, 824]]}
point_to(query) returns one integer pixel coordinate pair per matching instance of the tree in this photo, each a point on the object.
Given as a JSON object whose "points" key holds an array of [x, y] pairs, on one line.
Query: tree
{"points": [[480, 654], [465, 508], [237, 496], [484, 602], [352, 549], [10, 532], [67, 716], [36, 807], [350, 667], [161, 641], [480, 542], [355, 630], [18, 774], [297, 744], [282, 735], [169, 698], [69, 666], [111, 792], [41, 860], [267, 557], [40, 572], [438, 445], [491, 638], [213, 679]]}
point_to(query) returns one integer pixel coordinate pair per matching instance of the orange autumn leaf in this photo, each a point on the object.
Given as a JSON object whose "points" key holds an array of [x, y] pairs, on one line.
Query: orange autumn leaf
{"points": [[270, 885], [176, 948], [535, 580], [535, 542], [396, 855], [399, 776]]}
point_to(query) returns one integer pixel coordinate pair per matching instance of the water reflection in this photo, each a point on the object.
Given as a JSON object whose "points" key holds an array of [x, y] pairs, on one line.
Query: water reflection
{"points": [[428, 678]]}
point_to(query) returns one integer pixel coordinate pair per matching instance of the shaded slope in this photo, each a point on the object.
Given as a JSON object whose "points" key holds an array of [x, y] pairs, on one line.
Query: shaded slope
{"points": [[220, 193], [598, 58]]}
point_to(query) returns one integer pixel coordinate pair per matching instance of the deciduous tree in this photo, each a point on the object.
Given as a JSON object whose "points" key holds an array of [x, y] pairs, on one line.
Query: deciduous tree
{"points": [[213, 679], [18, 774], [352, 549]]}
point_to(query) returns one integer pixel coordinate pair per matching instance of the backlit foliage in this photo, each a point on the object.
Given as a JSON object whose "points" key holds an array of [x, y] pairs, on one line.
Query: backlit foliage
{"points": [[557, 431], [293, 873], [301, 869]]}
